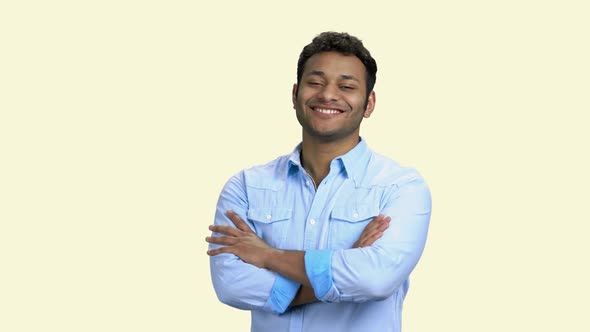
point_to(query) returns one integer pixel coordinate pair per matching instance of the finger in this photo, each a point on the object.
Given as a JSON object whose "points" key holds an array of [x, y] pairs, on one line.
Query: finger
{"points": [[379, 225], [383, 219], [240, 224], [374, 223], [227, 230], [384, 224], [378, 219], [224, 240], [371, 234], [378, 230], [222, 250], [372, 227], [370, 239], [365, 240]]}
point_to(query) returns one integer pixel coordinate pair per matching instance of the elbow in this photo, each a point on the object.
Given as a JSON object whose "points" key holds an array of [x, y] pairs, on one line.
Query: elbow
{"points": [[231, 297], [382, 285], [227, 289], [239, 285], [226, 297]]}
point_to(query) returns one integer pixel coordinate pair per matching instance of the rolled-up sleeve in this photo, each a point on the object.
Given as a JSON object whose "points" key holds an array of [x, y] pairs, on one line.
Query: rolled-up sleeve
{"points": [[375, 272], [319, 271], [240, 284]]}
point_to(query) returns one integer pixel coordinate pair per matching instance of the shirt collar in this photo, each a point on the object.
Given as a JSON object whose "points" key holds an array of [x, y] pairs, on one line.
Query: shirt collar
{"points": [[295, 157], [353, 161]]}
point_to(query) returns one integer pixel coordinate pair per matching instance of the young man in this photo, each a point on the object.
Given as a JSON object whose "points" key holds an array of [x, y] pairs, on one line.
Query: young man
{"points": [[322, 239]]}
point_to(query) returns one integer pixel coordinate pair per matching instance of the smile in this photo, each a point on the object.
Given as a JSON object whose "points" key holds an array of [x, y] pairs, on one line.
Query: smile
{"points": [[327, 111]]}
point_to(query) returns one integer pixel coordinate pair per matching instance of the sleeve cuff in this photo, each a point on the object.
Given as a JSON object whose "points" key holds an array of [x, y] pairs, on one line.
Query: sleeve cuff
{"points": [[318, 266], [282, 294]]}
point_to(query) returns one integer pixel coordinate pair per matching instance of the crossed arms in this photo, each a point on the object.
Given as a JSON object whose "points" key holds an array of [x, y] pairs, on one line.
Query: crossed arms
{"points": [[249, 274], [244, 243]]}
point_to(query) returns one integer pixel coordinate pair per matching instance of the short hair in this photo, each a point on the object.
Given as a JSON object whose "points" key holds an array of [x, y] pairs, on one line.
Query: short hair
{"points": [[345, 44]]}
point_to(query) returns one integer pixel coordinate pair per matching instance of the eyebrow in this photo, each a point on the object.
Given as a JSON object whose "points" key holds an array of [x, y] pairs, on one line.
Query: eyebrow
{"points": [[322, 74]]}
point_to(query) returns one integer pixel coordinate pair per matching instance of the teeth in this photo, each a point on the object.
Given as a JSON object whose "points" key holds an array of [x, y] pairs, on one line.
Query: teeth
{"points": [[327, 111]]}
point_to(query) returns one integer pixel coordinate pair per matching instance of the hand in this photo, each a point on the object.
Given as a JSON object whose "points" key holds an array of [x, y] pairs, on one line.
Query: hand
{"points": [[373, 231], [240, 241]]}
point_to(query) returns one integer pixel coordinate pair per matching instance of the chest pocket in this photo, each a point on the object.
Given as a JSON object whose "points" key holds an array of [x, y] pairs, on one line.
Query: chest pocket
{"points": [[348, 222], [271, 224]]}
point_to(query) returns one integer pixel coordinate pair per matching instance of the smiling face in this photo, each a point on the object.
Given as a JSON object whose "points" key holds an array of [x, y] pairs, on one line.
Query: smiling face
{"points": [[331, 99]]}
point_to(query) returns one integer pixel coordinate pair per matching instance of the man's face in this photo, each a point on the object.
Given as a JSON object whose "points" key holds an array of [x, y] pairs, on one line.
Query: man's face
{"points": [[330, 103]]}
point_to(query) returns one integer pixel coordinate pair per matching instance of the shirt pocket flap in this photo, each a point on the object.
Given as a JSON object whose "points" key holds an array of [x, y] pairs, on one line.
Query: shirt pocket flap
{"points": [[355, 214], [267, 216]]}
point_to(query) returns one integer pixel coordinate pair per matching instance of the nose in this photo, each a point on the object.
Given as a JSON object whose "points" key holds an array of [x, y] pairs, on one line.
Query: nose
{"points": [[328, 93]]}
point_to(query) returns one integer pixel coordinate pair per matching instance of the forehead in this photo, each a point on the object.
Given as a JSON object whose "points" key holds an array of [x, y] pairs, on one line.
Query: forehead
{"points": [[334, 64]]}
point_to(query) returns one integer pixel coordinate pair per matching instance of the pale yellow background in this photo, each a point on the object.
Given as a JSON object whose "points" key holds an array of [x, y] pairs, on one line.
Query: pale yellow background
{"points": [[121, 121]]}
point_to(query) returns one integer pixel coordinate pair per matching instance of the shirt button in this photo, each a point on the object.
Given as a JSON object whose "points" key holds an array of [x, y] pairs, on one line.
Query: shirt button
{"points": [[355, 215], [307, 183], [312, 221], [268, 216]]}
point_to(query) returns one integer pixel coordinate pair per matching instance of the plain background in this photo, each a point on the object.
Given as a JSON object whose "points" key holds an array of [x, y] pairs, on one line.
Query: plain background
{"points": [[121, 121]]}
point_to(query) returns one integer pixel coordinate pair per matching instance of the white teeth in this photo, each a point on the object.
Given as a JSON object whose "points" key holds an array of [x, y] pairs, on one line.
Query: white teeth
{"points": [[327, 111]]}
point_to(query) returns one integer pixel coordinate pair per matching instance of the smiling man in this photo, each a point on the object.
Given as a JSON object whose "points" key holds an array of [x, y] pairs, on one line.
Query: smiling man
{"points": [[324, 238]]}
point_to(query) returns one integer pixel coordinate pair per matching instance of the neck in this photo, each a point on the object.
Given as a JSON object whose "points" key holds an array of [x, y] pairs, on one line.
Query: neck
{"points": [[317, 154]]}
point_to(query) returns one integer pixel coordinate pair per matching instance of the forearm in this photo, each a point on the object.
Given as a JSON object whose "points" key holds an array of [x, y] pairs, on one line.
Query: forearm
{"points": [[290, 264], [305, 295]]}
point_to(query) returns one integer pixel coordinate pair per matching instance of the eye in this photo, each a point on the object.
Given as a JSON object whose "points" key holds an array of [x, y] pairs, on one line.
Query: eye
{"points": [[346, 87], [314, 84]]}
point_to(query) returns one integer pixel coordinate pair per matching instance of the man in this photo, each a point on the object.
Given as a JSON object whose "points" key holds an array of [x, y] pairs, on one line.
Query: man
{"points": [[322, 239]]}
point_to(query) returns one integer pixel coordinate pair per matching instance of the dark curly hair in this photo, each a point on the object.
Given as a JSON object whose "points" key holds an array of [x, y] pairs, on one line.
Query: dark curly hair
{"points": [[342, 43]]}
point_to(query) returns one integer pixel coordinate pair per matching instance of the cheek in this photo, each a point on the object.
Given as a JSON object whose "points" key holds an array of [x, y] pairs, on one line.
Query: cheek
{"points": [[306, 93], [356, 103], [301, 101]]}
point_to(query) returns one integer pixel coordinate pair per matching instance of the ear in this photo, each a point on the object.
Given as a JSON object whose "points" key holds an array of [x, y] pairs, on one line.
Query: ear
{"points": [[370, 105], [294, 95]]}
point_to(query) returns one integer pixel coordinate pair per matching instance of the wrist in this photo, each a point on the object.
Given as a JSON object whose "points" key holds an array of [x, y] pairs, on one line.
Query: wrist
{"points": [[272, 256]]}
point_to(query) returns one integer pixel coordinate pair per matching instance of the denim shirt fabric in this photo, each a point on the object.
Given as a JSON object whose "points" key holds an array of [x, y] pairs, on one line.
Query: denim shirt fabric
{"points": [[359, 289]]}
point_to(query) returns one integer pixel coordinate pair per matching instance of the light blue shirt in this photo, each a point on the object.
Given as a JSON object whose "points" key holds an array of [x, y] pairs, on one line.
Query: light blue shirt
{"points": [[359, 289]]}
